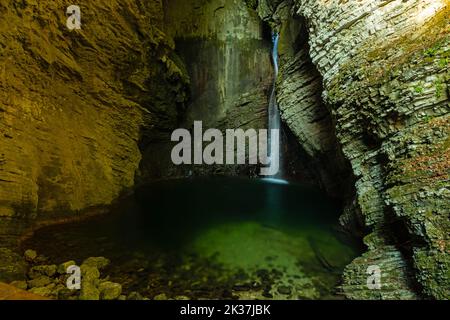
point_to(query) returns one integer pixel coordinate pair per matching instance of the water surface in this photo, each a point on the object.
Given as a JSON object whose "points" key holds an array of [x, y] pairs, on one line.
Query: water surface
{"points": [[213, 238]]}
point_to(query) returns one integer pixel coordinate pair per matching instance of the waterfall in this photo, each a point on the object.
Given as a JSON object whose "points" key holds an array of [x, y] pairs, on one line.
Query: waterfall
{"points": [[274, 112], [274, 189]]}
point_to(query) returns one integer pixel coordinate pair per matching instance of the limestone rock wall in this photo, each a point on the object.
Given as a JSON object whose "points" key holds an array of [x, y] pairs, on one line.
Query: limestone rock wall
{"points": [[299, 92], [384, 67], [74, 104], [226, 48], [226, 55]]}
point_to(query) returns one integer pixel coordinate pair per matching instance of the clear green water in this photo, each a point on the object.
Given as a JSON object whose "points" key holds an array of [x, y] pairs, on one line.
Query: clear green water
{"points": [[213, 238]]}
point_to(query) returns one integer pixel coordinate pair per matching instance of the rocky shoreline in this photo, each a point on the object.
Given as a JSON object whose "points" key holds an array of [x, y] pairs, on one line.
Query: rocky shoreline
{"points": [[102, 280]]}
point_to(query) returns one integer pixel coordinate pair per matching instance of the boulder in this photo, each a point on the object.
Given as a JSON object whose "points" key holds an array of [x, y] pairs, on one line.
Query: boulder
{"points": [[89, 273], [30, 255], [45, 270], [97, 262], [62, 268], [89, 291]]}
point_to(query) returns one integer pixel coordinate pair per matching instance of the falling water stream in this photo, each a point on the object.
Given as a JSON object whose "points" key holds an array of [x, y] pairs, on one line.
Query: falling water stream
{"points": [[274, 112]]}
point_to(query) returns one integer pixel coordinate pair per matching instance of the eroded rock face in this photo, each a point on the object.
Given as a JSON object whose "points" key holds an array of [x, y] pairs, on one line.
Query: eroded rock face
{"points": [[384, 68], [226, 53], [299, 92], [368, 88], [75, 104]]}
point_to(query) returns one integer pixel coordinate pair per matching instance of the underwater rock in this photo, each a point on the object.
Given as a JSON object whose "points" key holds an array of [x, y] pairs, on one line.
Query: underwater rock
{"points": [[58, 289], [266, 293], [47, 270], [8, 292], [89, 291]]}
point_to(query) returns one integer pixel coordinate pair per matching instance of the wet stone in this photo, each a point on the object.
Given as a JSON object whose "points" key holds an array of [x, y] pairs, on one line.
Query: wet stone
{"points": [[47, 270], [109, 290], [62, 268], [97, 262], [46, 291], [30, 255], [41, 281]]}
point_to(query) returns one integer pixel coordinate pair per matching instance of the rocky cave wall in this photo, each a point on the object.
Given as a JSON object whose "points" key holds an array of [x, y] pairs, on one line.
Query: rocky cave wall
{"points": [[384, 71], [75, 106]]}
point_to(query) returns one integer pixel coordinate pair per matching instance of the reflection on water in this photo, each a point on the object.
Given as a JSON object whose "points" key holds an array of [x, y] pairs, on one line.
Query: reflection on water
{"points": [[212, 238]]}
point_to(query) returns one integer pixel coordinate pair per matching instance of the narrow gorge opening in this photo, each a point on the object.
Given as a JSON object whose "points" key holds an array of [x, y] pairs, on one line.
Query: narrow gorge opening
{"points": [[200, 231]]}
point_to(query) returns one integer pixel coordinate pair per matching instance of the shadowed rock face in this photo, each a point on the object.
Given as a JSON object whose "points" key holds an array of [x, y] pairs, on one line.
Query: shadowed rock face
{"points": [[227, 61], [384, 70], [226, 55]]}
